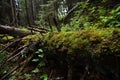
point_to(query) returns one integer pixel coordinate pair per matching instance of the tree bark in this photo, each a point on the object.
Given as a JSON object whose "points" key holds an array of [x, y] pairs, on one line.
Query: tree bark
{"points": [[13, 31], [27, 13]]}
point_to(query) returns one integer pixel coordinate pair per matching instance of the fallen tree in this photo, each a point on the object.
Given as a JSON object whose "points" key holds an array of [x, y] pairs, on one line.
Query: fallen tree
{"points": [[74, 55], [13, 31], [87, 54]]}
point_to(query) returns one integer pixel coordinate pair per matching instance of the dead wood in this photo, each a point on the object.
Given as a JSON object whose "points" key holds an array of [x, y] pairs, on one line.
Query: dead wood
{"points": [[11, 71], [9, 45], [16, 32], [25, 49]]}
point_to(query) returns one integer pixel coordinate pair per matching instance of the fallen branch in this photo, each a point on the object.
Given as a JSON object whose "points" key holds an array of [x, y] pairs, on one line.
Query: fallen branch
{"points": [[21, 50], [16, 32], [37, 29], [11, 71], [11, 44]]}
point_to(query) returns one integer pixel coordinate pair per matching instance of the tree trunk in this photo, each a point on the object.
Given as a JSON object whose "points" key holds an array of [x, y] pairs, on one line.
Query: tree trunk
{"points": [[13, 31], [27, 13]]}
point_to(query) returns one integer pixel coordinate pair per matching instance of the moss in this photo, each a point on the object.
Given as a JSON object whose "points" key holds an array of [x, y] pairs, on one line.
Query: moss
{"points": [[5, 38], [93, 41], [30, 38]]}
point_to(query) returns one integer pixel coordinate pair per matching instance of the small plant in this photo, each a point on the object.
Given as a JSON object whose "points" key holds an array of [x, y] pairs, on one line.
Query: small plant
{"points": [[41, 55], [44, 76], [89, 16], [39, 58], [27, 76]]}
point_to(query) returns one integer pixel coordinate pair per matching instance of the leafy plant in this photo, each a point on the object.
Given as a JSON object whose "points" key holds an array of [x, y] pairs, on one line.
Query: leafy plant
{"points": [[36, 70], [89, 16], [28, 76], [113, 20], [44, 76], [41, 55]]}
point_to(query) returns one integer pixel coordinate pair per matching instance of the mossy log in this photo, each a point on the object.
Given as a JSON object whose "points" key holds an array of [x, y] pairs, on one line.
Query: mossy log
{"points": [[92, 42], [86, 53], [13, 31]]}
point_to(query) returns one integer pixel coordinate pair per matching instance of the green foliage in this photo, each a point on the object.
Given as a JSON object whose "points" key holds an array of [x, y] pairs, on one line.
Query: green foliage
{"points": [[41, 55], [112, 20], [42, 64], [93, 16], [51, 13], [44, 12], [44, 76], [11, 78], [40, 20], [27, 76], [36, 70]]}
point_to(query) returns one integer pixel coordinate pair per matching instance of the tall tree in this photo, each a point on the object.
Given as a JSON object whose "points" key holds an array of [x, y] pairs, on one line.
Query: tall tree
{"points": [[5, 12], [15, 12]]}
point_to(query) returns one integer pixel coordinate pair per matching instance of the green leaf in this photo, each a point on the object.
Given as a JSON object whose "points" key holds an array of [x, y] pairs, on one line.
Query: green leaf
{"points": [[44, 76], [40, 50], [42, 64], [27, 76], [36, 70], [35, 60], [41, 55]]}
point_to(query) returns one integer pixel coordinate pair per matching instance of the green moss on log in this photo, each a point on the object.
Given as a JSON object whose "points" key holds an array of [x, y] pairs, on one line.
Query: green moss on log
{"points": [[91, 42], [5, 38], [31, 38]]}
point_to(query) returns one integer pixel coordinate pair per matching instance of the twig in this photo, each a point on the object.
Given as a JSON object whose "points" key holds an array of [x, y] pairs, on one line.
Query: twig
{"points": [[12, 43], [50, 74], [11, 71], [13, 53], [41, 30], [24, 50], [17, 50], [24, 63]]}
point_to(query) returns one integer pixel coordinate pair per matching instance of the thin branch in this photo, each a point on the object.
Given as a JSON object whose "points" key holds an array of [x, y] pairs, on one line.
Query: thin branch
{"points": [[12, 43], [11, 71]]}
